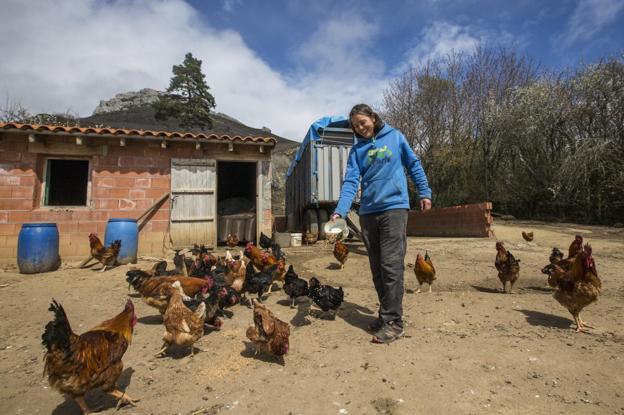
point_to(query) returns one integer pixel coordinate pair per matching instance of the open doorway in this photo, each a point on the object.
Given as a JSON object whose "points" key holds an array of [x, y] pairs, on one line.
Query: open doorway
{"points": [[236, 202]]}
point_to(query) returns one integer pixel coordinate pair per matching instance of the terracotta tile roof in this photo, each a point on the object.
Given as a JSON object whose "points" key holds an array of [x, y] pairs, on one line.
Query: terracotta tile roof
{"points": [[60, 130]]}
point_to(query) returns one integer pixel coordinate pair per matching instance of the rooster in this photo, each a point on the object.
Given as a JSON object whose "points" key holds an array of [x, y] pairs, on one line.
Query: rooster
{"points": [[579, 287], [341, 252], [528, 236], [76, 364], [424, 270], [255, 254], [575, 247], [295, 286], [183, 327], [326, 297], [268, 334], [106, 256], [508, 267]]}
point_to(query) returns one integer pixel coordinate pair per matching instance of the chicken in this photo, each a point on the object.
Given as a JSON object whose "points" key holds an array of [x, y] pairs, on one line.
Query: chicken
{"points": [[257, 282], [294, 286], [76, 364], [265, 242], [424, 270], [555, 256], [277, 270], [310, 238], [554, 272], [341, 252], [212, 303], [508, 267], [575, 247], [326, 297], [182, 263], [106, 256], [183, 327], [270, 244], [268, 334], [235, 275], [154, 289], [579, 287], [528, 236], [232, 240], [255, 255]]}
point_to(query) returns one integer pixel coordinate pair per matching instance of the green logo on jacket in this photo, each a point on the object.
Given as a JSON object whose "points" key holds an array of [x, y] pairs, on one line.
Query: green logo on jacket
{"points": [[378, 154]]}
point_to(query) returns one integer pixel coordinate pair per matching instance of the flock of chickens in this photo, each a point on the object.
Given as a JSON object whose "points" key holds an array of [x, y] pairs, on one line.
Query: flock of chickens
{"points": [[198, 292], [192, 297], [574, 278]]}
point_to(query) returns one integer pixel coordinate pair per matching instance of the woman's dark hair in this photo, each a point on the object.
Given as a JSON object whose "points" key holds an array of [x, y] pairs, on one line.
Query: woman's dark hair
{"points": [[364, 109]]}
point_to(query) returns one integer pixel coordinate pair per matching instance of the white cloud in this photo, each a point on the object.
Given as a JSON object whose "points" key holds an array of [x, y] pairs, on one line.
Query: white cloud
{"points": [[589, 17], [438, 40], [69, 54]]}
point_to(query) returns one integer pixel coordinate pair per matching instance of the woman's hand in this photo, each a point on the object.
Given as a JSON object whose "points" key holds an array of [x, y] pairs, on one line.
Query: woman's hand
{"points": [[334, 216], [425, 204]]}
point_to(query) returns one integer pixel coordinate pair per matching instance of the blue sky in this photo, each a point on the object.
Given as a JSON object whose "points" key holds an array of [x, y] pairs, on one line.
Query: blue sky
{"points": [[280, 64]]}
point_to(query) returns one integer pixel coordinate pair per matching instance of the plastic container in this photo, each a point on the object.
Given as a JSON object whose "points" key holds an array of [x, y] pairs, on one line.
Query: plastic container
{"points": [[38, 248], [295, 239], [282, 239], [127, 231]]}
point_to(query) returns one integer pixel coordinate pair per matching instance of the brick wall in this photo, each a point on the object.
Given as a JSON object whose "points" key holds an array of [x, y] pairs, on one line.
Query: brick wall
{"points": [[457, 221], [124, 182]]}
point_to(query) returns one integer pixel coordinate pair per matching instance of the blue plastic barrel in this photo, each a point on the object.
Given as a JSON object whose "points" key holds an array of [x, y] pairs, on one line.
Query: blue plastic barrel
{"points": [[127, 231], [38, 248]]}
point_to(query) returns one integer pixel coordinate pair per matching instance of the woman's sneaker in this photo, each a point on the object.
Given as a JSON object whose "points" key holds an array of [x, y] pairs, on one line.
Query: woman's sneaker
{"points": [[388, 333], [376, 325]]}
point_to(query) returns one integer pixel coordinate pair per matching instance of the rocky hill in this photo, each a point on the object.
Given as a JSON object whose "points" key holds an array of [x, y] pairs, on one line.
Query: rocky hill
{"points": [[133, 110]]}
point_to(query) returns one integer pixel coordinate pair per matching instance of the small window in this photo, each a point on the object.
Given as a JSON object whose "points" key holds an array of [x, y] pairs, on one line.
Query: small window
{"points": [[66, 182]]}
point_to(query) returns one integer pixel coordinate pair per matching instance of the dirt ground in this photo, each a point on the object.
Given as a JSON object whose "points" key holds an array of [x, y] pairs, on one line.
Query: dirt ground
{"points": [[469, 349]]}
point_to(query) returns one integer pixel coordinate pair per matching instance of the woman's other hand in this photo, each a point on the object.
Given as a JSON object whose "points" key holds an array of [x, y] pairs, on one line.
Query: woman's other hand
{"points": [[334, 216], [425, 204]]}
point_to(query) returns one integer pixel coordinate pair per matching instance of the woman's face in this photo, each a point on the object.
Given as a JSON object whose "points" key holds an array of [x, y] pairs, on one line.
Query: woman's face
{"points": [[363, 125]]}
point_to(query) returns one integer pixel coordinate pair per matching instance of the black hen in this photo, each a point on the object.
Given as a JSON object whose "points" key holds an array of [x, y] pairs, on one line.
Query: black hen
{"points": [[276, 250], [265, 241], [230, 299], [294, 286], [555, 256], [212, 301], [258, 282], [325, 296]]}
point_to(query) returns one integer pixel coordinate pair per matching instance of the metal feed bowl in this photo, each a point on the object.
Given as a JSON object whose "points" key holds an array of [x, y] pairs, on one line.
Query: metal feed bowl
{"points": [[336, 230]]}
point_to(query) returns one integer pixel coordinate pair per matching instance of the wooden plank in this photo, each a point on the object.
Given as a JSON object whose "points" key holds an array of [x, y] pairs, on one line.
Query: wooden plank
{"points": [[193, 212]]}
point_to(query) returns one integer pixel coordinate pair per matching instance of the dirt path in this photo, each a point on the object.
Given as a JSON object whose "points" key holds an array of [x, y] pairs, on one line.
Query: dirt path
{"points": [[469, 349]]}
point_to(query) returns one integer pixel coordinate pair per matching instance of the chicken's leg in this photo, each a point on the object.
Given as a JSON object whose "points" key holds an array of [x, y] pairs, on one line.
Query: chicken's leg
{"points": [[103, 268], [124, 399], [83, 405], [341, 266], [418, 290], [584, 324], [162, 351], [293, 303], [429, 287]]}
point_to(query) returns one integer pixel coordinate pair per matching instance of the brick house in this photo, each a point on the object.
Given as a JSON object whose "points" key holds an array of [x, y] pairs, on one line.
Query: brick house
{"points": [[81, 177]]}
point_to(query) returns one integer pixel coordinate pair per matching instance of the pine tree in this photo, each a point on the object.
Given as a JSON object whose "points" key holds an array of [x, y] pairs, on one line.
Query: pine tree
{"points": [[187, 98]]}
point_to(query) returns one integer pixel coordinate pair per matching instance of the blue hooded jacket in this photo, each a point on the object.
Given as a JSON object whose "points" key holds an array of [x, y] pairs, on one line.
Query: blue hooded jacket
{"points": [[379, 162]]}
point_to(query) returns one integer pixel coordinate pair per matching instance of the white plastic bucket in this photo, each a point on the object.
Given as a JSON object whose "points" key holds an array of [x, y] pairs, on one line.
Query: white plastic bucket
{"points": [[295, 239]]}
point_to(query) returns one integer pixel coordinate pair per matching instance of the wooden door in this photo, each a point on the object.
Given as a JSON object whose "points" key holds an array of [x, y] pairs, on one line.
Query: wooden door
{"points": [[194, 202]]}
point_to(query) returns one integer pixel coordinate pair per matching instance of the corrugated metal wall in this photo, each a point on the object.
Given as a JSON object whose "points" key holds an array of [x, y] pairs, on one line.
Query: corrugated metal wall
{"points": [[318, 176]]}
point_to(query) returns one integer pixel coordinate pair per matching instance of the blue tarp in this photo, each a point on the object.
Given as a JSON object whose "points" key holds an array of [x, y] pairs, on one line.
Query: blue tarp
{"points": [[313, 135]]}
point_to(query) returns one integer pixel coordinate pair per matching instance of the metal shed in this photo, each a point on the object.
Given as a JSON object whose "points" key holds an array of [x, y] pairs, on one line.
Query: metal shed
{"points": [[315, 176]]}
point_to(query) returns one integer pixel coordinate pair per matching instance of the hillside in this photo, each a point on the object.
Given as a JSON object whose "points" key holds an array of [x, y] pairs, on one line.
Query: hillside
{"points": [[133, 110]]}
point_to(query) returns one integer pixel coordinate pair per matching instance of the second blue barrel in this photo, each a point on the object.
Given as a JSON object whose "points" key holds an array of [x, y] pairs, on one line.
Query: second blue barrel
{"points": [[127, 232], [38, 248]]}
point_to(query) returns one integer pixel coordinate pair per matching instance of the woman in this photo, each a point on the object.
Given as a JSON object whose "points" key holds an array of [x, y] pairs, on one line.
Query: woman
{"points": [[379, 158]]}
